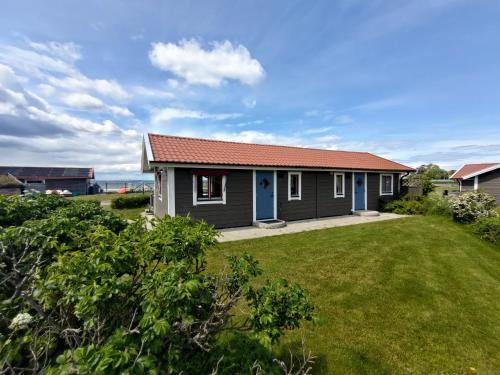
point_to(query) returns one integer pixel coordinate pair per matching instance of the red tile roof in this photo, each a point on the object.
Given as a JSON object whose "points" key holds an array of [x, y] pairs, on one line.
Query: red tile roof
{"points": [[171, 149], [468, 169]]}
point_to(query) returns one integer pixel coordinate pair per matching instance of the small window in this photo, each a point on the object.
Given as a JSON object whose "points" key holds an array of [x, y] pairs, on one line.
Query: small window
{"points": [[294, 185], [339, 185], [208, 189], [386, 184], [159, 180]]}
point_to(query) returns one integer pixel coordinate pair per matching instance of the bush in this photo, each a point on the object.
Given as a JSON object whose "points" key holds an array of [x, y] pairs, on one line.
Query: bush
{"points": [[84, 292], [488, 228], [436, 204], [406, 205], [130, 202], [469, 207]]}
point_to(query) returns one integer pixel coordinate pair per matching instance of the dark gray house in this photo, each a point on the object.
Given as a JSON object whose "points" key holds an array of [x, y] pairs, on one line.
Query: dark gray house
{"points": [[484, 177], [233, 184], [76, 180]]}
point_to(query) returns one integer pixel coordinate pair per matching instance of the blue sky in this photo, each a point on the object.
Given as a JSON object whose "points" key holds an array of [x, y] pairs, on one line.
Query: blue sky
{"points": [[414, 81]]}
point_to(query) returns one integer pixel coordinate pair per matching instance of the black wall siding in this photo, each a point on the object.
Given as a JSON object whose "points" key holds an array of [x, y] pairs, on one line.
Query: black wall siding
{"points": [[468, 185], [238, 210], [305, 208], [327, 204], [490, 183], [373, 189], [77, 185]]}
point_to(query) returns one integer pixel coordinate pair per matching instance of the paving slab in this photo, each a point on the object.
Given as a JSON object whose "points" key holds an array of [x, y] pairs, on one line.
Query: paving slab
{"points": [[244, 233]]}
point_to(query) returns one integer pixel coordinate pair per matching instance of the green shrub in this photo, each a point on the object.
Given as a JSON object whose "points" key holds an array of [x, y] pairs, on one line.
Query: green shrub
{"points": [[84, 292], [488, 228], [436, 204], [470, 206], [130, 202], [406, 205]]}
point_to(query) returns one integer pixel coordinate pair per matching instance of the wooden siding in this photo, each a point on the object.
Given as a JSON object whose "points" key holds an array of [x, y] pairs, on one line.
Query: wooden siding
{"points": [[490, 183], [11, 190], [373, 189], [305, 208], [160, 203], [327, 204], [468, 185], [238, 210]]}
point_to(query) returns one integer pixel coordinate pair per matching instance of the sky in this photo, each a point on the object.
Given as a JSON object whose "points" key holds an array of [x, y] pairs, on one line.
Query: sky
{"points": [[413, 81]]}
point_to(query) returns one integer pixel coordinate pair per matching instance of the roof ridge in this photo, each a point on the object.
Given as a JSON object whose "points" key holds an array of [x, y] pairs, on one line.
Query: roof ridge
{"points": [[259, 144]]}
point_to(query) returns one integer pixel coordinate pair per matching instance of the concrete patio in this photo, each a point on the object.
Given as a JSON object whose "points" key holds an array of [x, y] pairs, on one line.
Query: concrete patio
{"points": [[243, 233]]}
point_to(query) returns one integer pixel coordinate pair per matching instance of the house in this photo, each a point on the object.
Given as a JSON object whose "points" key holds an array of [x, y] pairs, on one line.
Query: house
{"points": [[484, 177], [233, 184], [9, 185], [76, 180]]}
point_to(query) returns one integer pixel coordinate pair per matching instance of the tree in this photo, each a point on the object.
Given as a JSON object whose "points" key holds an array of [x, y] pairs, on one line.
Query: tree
{"points": [[433, 171], [83, 292]]}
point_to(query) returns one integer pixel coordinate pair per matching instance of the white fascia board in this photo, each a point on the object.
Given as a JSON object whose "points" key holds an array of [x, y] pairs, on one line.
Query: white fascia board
{"points": [[257, 167], [485, 170]]}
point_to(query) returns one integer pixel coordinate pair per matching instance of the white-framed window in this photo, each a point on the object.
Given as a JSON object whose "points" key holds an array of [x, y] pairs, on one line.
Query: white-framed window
{"points": [[159, 183], [339, 185], [294, 186], [386, 184], [209, 189]]}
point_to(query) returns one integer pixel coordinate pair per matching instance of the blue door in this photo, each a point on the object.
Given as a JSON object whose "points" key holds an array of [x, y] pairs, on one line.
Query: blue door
{"points": [[264, 195], [359, 191]]}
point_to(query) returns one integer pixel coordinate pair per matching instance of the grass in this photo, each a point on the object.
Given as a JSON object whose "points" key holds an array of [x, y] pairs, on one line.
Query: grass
{"points": [[448, 186], [105, 199], [417, 296]]}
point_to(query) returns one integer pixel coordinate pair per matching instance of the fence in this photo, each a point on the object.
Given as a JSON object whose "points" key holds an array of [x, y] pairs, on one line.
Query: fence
{"points": [[129, 186]]}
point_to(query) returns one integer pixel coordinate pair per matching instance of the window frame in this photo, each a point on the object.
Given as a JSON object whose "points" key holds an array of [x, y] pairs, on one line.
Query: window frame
{"points": [[159, 183], [197, 202], [382, 186], [299, 196], [335, 194]]}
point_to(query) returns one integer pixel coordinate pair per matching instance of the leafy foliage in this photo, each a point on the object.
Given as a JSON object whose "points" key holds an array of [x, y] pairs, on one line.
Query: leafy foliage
{"points": [[406, 205], [130, 202], [488, 228], [83, 292], [470, 206]]}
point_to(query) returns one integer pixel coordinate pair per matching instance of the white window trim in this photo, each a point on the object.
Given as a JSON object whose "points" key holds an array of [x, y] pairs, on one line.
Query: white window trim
{"points": [[290, 198], [335, 195], [196, 202], [158, 184], [392, 184]]}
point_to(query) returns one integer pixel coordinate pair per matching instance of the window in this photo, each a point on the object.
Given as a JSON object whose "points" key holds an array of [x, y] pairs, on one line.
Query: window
{"points": [[339, 185], [386, 184], [294, 185], [209, 189], [158, 186]]}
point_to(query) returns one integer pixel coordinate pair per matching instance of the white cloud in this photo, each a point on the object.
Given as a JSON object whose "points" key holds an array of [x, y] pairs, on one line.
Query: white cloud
{"points": [[251, 136], [249, 102], [319, 130], [91, 103], [343, 119], [79, 82], [166, 114], [212, 67], [66, 51], [381, 104], [151, 92]]}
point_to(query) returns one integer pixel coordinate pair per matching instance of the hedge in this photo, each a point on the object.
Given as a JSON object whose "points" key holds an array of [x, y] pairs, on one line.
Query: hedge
{"points": [[130, 202]]}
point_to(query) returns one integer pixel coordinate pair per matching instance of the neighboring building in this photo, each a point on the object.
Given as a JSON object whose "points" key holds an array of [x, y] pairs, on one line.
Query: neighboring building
{"points": [[233, 184], [76, 180], [9, 185], [484, 177]]}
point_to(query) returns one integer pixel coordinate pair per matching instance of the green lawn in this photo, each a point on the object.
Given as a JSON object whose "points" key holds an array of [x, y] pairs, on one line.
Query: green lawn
{"points": [[105, 199], [413, 296]]}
